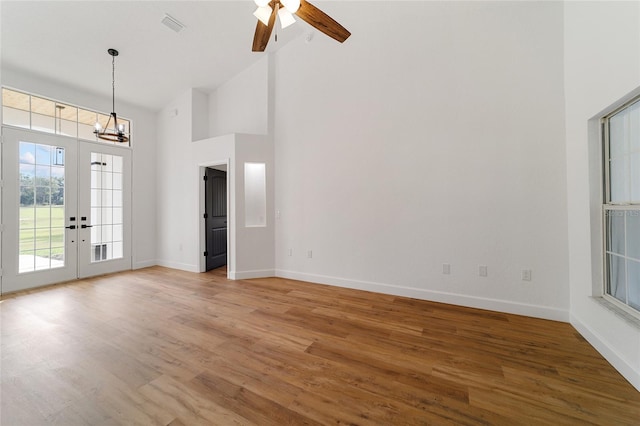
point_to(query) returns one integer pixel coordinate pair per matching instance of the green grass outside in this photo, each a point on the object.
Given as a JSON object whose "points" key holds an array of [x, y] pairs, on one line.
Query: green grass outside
{"points": [[40, 228]]}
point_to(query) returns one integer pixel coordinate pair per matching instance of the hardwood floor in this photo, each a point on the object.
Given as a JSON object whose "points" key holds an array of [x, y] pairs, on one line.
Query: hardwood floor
{"points": [[165, 347]]}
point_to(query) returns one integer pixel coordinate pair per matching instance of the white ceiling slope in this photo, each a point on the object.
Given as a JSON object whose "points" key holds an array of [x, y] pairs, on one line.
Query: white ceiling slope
{"points": [[67, 41]]}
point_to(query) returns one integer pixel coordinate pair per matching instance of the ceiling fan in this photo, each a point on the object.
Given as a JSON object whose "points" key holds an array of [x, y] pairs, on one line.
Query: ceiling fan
{"points": [[285, 9]]}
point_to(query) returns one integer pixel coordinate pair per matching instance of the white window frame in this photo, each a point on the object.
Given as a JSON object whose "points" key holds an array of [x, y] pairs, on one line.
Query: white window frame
{"points": [[77, 123], [608, 206]]}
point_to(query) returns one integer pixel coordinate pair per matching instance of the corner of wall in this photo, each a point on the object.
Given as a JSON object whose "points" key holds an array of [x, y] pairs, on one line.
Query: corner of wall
{"points": [[607, 350], [591, 82], [240, 105]]}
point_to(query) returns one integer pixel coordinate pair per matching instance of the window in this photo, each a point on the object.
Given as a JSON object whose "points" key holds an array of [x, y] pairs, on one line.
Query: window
{"points": [[621, 209], [44, 115]]}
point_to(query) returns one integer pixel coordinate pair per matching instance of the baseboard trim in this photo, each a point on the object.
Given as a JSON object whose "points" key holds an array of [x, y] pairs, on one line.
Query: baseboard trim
{"points": [[177, 265], [624, 368], [516, 308], [144, 264], [247, 275]]}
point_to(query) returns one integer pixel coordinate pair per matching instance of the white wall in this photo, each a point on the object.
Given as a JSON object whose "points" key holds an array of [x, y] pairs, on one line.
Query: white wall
{"points": [[180, 209], [200, 111], [240, 105], [143, 143], [435, 134], [602, 64], [255, 245], [176, 189]]}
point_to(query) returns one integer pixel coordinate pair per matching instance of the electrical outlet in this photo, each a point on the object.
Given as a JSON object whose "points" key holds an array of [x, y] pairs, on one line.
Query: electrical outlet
{"points": [[309, 254], [482, 270], [290, 252], [526, 275], [446, 268]]}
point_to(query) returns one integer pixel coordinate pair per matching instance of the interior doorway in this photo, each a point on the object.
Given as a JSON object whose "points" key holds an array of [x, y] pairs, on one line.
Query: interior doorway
{"points": [[216, 216]]}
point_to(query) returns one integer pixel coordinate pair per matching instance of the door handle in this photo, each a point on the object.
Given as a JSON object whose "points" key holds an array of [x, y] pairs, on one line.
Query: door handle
{"points": [[86, 226], [71, 227]]}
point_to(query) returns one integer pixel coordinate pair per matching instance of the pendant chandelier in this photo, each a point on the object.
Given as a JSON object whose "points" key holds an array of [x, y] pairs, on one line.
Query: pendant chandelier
{"points": [[116, 132]]}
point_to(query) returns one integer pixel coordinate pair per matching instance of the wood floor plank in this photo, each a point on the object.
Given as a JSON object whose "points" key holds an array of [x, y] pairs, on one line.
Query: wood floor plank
{"points": [[190, 406], [587, 403], [246, 403], [164, 347]]}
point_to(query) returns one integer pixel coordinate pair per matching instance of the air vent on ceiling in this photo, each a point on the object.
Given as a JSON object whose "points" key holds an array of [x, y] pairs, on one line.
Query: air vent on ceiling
{"points": [[172, 23]]}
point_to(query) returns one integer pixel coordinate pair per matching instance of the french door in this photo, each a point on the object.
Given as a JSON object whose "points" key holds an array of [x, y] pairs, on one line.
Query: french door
{"points": [[66, 209]]}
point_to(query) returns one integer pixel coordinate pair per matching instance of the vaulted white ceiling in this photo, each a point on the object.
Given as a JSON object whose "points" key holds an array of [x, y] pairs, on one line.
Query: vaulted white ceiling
{"points": [[67, 41]]}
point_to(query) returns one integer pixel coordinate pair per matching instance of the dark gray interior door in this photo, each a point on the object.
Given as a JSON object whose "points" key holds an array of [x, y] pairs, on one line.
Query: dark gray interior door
{"points": [[216, 217]]}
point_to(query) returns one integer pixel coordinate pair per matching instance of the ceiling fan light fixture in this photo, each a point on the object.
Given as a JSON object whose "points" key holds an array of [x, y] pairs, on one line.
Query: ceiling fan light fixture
{"points": [[286, 18], [303, 10], [261, 3], [263, 13], [291, 5]]}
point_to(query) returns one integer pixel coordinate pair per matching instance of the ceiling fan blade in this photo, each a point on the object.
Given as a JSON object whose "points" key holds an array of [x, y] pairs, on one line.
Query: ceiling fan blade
{"points": [[321, 21], [263, 32]]}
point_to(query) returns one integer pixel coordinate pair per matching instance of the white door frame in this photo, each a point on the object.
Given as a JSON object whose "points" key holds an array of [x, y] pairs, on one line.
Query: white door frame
{"points": [[12, 279], [77, 205], [87, 268], [202, 240]]}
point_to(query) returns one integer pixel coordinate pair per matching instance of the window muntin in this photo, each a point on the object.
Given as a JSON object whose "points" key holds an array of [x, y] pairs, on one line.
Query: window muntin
{"points": [[45, 115], [107, 194], [621, 208]]}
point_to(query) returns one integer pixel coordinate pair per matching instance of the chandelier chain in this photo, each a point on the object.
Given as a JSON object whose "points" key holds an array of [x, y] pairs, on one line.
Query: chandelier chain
{"points": [[113, 83]]}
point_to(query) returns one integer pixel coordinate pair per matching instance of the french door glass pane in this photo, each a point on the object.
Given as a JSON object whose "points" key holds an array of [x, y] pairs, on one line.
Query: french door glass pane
{"points": [[41, 215], [106, 210]]}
